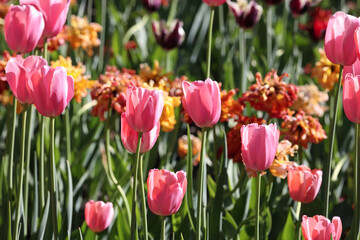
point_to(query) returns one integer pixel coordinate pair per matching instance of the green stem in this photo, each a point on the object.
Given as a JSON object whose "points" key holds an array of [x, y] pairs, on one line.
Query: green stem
{"points": [[102, 35], [257, 209], [12, 144], [68, 139], [53, 177], [172, 13], [21, 175], [143, 201], [202, 166], [163, 225], [42, 161], [332, 139], [298, 215], [133, 206], [45, 51], [242, 51], [167, 61], [209, 42], [269, 30]]}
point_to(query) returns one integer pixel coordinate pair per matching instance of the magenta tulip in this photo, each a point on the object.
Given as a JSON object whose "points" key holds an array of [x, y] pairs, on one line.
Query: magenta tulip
{"points": [[168, 37], [152, 5], [214, 3], [354, 69], [351, 97], [129, 137], [259, 145], [165, 191], [143, 108], [299, 7], [339, 39], [17, 74], [320, 228], [51, 90], [202, 101], [357, 41], [55, 14], [23, 28], [246, 14], [98, 215], [304, 183]]}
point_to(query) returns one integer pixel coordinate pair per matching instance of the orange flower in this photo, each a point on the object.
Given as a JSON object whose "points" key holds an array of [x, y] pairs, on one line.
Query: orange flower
{"points": [[271, 94], [301, 129], [281, 165], [195, 147], [230, 108]]}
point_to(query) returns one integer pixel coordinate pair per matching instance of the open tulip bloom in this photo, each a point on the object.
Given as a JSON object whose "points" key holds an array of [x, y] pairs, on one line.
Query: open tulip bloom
{"points": [[321, 228], [98, 215]]}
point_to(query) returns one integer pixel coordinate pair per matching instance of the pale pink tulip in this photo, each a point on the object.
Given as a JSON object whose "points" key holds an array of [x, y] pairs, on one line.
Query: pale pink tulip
{"points": [[304, 183], [165, 191], [259, 145], [51, 90], [18, 75], [55, 14], [143, 108], [202, 101], [351, 97], [320, 228], [129, 137], [339, 39], [214, 3], [23, 28], [98, 215]]}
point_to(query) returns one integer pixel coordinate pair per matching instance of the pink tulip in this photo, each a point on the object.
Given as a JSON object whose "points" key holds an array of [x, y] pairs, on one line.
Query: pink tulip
{"points": [[165, 191], [143, 108], [214, 3], [351, 97], [202, 101], [339, 39], [354, 69], [320, 228], [304, 183], [17, 74], [55, 14], [259, 145], [357, 41], [129, 137], [51, 90], [98, 215], [247, 14], [23, 28]]}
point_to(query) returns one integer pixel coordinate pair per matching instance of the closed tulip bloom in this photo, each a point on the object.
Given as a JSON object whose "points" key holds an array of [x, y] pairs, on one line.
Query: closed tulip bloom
{"points": [[320, 228], [23, 28], [143, 108], [299, 7], [168, 37], [51, 90], [152, 5], [354, 69], [357, 41], [166, 190], [247, 14], [202, 101], [351, 97], [214, 3], [272, 2], [259, 145], [129, 137], [304, 183], [55, 14], [339, 39], [17, 74], [98, 215]]}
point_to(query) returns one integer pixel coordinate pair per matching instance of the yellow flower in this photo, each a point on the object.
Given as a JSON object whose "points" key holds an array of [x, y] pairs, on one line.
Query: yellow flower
{"points": [[167, 119], [281, 165], [81, 82]]}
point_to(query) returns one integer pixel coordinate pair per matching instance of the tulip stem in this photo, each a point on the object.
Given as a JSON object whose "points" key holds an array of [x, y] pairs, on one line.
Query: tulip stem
{"points": [[163, 225], [143, 201], [172, 13], [269, 17], [67, 132], [42, 162], [12, 143], [298, 215], [209, 42], [53, 177], [133, 206], [257, 208], [202, 166], [21, 175], [332, 139]]}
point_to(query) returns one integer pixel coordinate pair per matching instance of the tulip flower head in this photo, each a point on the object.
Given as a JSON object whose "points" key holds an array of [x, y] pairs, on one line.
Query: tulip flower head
{"points": [[55, 14], [17, 74], [320, 228], [165, 191], [272, 2], [152, 5], [299, 7], [304, 183], [168, 37], [259, 145], [23, 28], [202, 101], [98, 215], [51, 90], [143, 108], [339, 39], [247, 14], [214, 3], [351, 97], [129, 137]]}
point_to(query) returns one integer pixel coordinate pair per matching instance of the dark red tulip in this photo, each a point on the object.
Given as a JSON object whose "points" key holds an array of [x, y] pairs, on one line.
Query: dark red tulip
{"points": [[168, 37], [246, 14]]}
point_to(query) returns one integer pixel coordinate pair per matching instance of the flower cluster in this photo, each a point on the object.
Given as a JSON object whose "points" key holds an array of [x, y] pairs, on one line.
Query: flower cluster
{"points": [[281, 165]]}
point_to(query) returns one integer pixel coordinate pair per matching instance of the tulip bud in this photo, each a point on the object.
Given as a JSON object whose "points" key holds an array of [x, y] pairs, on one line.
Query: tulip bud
{"points": [[152, 5], [168, 37], [23, 28], [246, 14], [214, 3], [272, 2], [351, 97], [319, 227], [98, 215], [299, 7]]}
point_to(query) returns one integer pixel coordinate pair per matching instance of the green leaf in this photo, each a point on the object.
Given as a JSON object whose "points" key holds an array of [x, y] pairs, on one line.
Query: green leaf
{"points": [[70, 200], [289, 229], [44, 218]]}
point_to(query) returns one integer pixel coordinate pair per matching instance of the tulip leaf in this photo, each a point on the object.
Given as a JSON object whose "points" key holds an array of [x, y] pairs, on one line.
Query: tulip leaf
{"points": [[70, 200], [44, 218], [289, 229]]}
